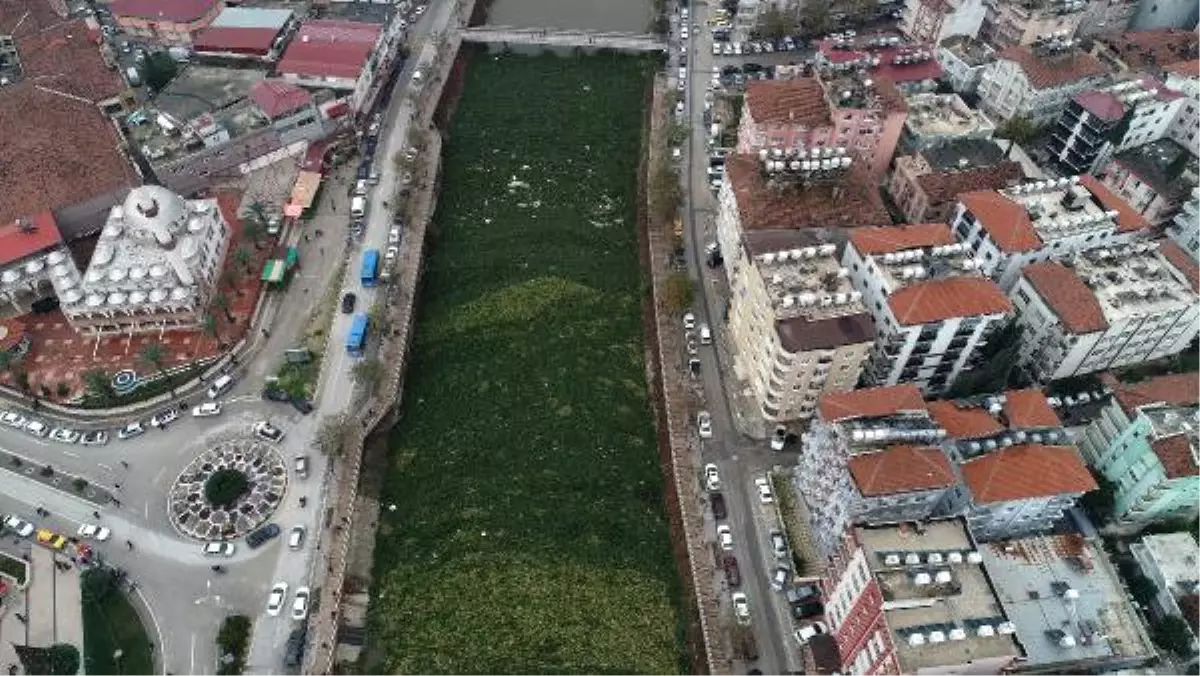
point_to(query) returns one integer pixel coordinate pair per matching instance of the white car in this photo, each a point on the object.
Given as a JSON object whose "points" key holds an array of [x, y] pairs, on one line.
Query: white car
{"points": [[804, 634], [716, 49], [219, 549], [394, 236], [296, 538], [91, 531], [276, 598], [683, 33], [360, 188], [300, 604], [97, 438], [419, 10], [131, 430], [689, 321], [267, 432], [164, 417], [393, 252], [37, 428], [712, 480], [741, 608], [682, 72], [21, 527], [704, 423], [206, 410], [65, 436], [725, 537], [765, 495], [779, 438]]}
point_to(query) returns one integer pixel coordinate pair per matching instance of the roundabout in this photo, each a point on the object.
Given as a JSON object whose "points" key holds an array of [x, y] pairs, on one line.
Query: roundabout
{"points": [[228, 490]]}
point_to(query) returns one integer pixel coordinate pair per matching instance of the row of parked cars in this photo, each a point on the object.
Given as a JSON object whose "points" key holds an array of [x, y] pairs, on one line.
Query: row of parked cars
{"points": [[788, 44]]}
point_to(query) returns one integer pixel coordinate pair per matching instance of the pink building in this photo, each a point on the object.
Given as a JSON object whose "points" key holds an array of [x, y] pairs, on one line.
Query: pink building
{"points": [[169, 21], [864, 116]]}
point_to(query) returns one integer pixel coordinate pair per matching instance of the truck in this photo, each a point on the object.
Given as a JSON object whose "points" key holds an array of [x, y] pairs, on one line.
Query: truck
{"points": [[370, 268], [356, 337]]}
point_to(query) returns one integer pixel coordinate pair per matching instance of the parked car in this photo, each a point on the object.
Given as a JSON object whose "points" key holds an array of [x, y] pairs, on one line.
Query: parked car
{"points": [[164, 417], [219, 549], [741, 608], [276, 598], [261, 536], [348, 302], [733, 575], [779, 544], [96, 438], [131, 430], [807, 632], [779, 438], [293, 654], [65, 436], [300, 604], [704, 424], [301, 466], [296, 538], [689, 321], [718, 506], [394, 236], [361, 187], [781, 577], [14, 420], [272, 393], [725, 537], [206, 410], [765, 496], [91, 531], [220, 386], [712, 479], [267, 432], [37, 428], [47, 537], [302, 405], [19, 526]]}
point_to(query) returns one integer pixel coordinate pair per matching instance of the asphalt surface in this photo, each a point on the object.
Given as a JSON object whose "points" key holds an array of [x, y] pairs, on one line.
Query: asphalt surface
{"points": [[740, 459]]}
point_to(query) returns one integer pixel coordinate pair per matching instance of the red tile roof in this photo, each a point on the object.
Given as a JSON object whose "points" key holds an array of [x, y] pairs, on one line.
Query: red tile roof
{"points": [[1189, 68], [1067, 296], [870, 402], [928, 69], [1179, 389], [234, 39], [1180, 259], [768, 205], [329, 48], [889, 239], [276, 97], [1026, 471], [943, 186], [964, 422], [1103, 104], [1029, 408], [16, 243], [1145, 49], [181, 11], [936, 300], [1128, 219], [799, 101], [1044, 73], [1005, 221], [900, 469], [1175, 454]]}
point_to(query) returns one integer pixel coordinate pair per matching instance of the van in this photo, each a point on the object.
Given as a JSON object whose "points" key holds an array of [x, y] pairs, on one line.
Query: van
{"points": [[358, 207], [220, 386], [301, 465]]}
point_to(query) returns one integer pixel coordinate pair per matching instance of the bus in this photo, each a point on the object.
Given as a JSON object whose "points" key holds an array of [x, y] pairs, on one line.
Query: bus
{"points": [[370, 267], [356, 338]]}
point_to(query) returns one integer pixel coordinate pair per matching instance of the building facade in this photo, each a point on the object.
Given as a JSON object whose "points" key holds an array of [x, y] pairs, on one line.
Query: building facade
{"points": [[1037, 82], [931, 21], [925, 185], [1169, 561], [1082, 133], [1184, 229], [934, 119], [964, 60], [345, 56], [1155, 179], [168, 21], [1011, 23]]}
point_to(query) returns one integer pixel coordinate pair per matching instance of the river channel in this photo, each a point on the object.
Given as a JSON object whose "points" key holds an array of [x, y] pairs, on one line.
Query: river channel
{"points": [[628, 16]]}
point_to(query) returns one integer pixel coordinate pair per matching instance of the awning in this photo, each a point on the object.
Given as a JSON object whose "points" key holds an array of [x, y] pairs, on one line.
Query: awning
{"points": [[293, 210], [337, 110], [305, 189], [273, 271]]}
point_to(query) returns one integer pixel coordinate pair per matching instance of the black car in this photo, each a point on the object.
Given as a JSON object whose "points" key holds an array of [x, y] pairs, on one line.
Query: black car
{"points": [[301, 404], [718, 506], [293, 654], [272, 393], [364, 171], [261, 536], [348, 302]]}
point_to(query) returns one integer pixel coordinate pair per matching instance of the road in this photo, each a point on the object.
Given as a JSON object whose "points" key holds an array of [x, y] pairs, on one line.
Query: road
{"points": [[739, 459]]}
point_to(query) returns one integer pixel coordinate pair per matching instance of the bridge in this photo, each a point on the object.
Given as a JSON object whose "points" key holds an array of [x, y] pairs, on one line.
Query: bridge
{"points": [[554, 37]]}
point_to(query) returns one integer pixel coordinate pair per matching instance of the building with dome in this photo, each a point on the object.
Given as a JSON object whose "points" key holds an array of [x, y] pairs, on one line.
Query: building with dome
{"points": [[153, 269]]}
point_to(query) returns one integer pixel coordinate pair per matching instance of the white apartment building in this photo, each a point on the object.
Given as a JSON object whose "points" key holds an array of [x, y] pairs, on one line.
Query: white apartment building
{"points": [[153, 268], [1185, 229], [1185, 126], [1113, 307], [1037, 82], [964, 61], [1017, 22], [1046, 220], [1155, 108], [934, 119], [932, 308], [931, 21]]}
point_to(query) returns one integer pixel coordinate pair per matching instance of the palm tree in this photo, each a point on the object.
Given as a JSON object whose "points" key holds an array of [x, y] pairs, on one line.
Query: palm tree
{"points": [[208, 324], [254, 230], [98, 385], [221, 302], [155, 354]]}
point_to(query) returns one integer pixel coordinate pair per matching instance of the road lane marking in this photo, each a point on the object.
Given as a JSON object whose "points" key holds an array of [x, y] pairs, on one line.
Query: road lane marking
{"points": [[159, 476], [104, 467], [192, 660], [73, 455]]}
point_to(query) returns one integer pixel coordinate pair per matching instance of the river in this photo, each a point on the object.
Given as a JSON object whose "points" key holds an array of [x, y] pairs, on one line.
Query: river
{"points": [[628, 16]]}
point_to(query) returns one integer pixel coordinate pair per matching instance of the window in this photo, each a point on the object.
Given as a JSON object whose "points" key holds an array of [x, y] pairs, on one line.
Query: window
{"points": [[1023, 296]]}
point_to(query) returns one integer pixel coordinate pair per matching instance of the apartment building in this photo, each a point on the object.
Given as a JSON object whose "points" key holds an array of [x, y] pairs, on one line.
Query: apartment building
{"points": [[925, 185], [1145, 51], [1184, 229], [1104, 17], [871, 456], [345, 56], [1081, 135], [913, 67], [934, 119], [964, 60], [1155, 179], [1010, 23], [1037, 81], [1169, 561], [167, 21], [1145, 442], [1112, 307], [1044, 220], [931, 21], [1184, 77], [863, 115], [797, 327], [932, 309]]}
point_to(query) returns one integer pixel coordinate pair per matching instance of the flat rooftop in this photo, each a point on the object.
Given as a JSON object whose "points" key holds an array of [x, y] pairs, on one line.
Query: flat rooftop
{"points": [[970, 51], [1133, 280], [1059, 586], [964, 153], [808, 281], [938, 602], [780, 202], [205, 89], [1161, 165], [945, 115]]}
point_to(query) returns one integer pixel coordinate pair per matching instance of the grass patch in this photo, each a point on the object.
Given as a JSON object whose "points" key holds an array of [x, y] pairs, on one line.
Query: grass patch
{"points": [[109, 624], [232, 641], [14, 568], [149, 389], [530, 533]]}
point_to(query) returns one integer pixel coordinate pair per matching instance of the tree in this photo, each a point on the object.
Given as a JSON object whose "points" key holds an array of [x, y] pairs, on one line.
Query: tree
{"points": [[816, 17], [155, 355], [242, 257], [221, 302], [333, 433], [98, 386], [1143, 589], [368, 373], [997, 361], [1018, 130], [679, 292], [773, 24], [1173, 634], [60, 658], [254, 230], [225, 486], [159, 69], [1099, 504]]}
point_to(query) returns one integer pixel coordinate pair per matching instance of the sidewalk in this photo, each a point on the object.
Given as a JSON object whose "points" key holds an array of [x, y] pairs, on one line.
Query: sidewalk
{"points": [[54, 603]]}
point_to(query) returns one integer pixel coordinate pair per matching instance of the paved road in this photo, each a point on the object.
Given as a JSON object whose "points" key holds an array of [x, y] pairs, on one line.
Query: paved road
{"points": [[739, 458]]}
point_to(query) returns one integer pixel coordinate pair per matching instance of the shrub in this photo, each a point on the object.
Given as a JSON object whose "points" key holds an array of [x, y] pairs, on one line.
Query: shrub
{"points": [[79, 483], [225, 486], [232, 640], [47, 471]]}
